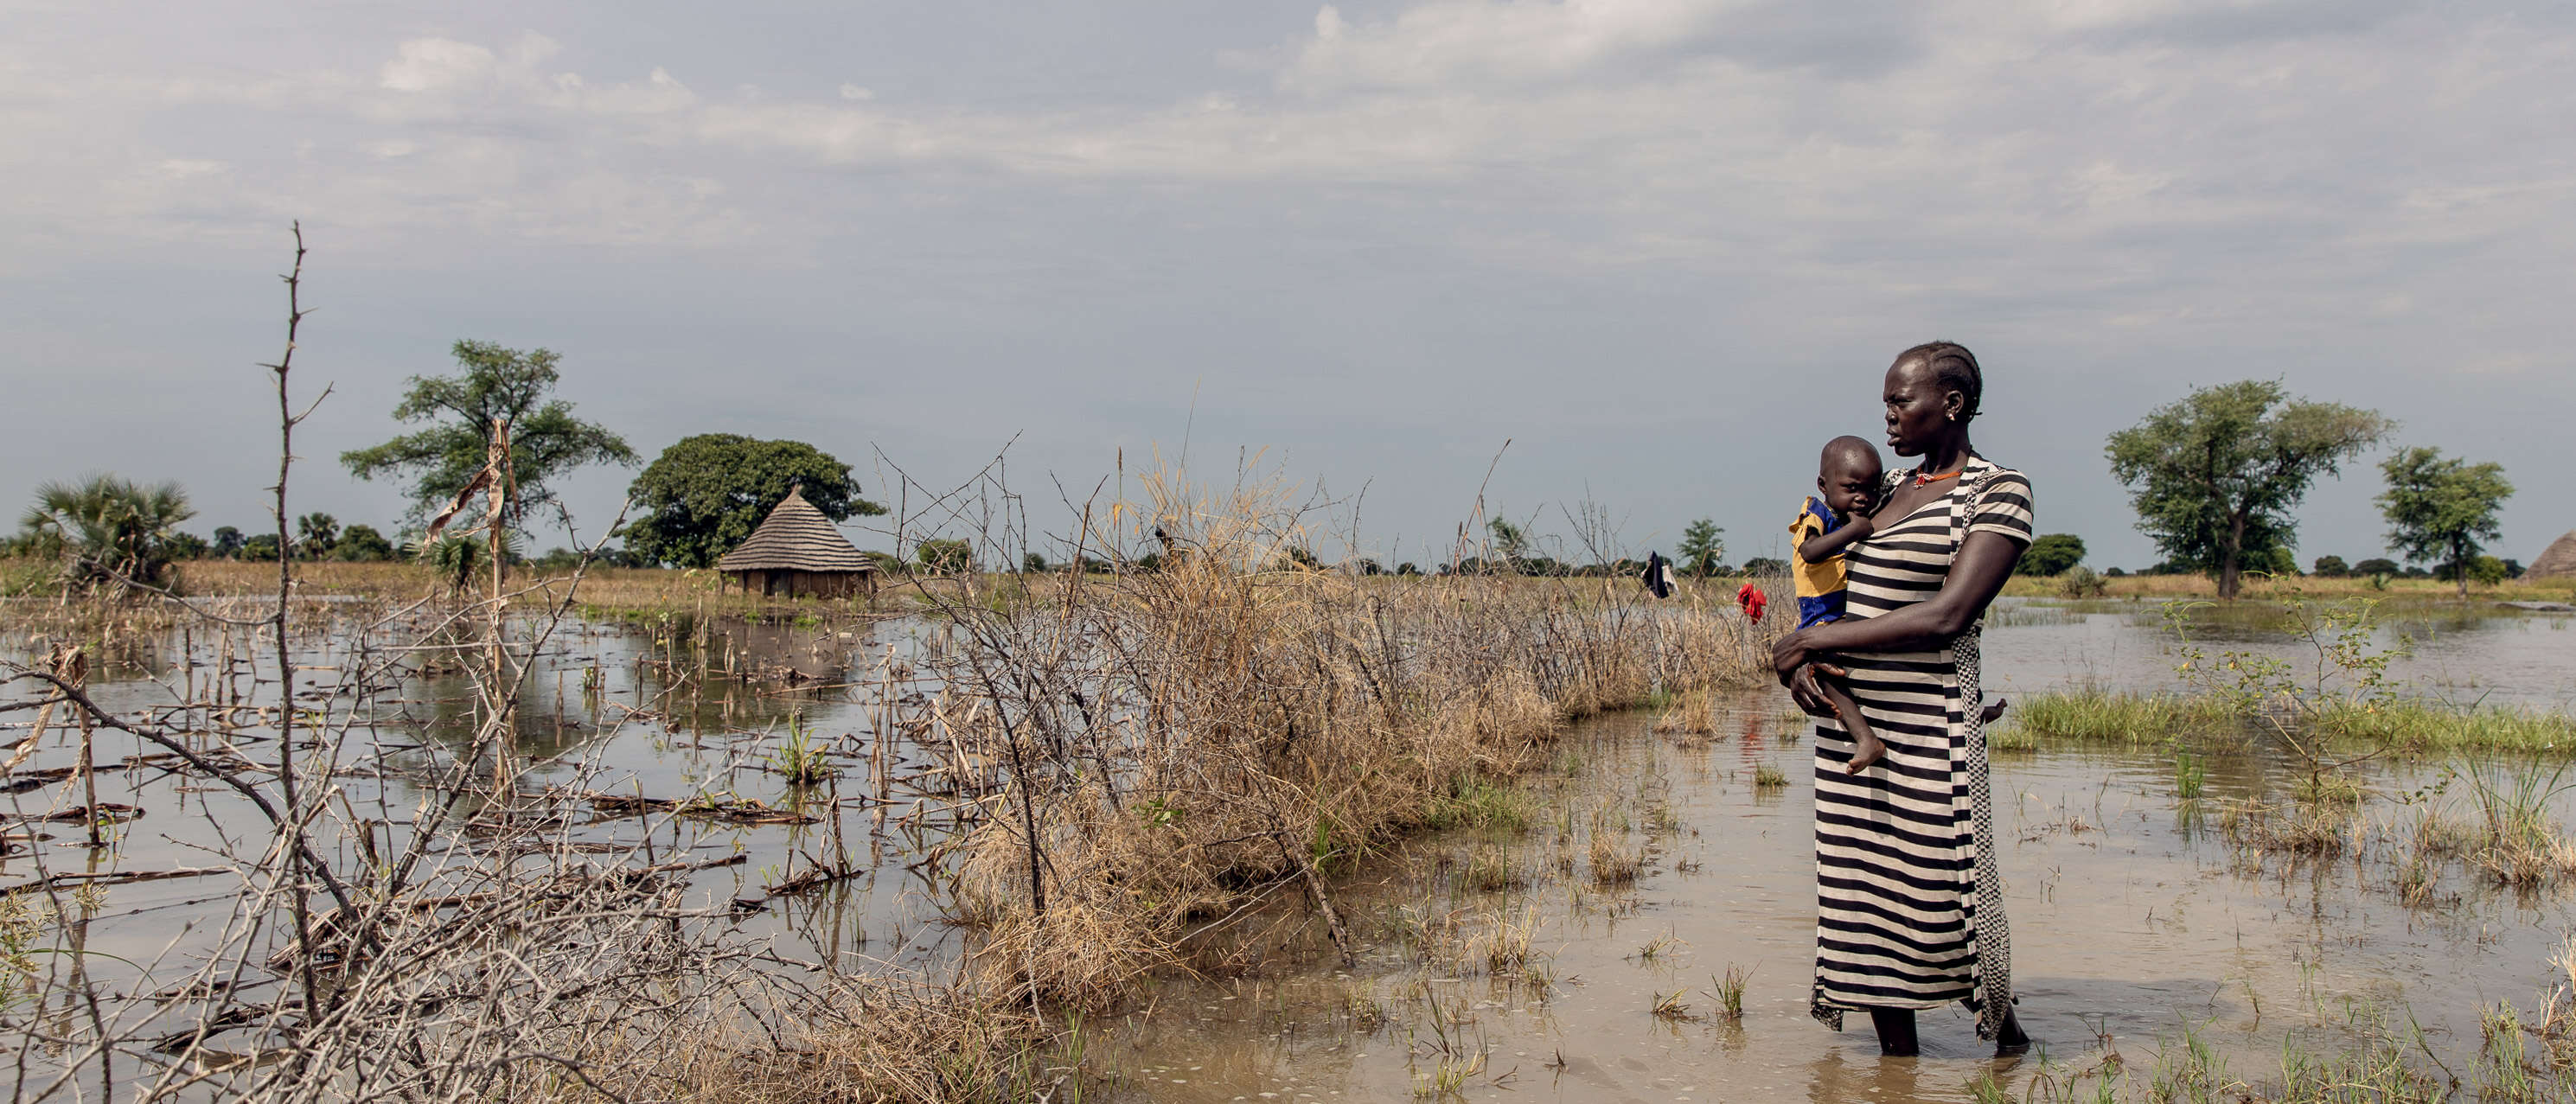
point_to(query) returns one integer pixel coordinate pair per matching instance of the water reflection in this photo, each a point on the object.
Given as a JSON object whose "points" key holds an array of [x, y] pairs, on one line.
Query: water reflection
{"points": [[2133, 912]]}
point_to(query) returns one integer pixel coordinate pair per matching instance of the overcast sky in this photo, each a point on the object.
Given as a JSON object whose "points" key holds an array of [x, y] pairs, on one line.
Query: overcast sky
{"points": [[1666, 248]]}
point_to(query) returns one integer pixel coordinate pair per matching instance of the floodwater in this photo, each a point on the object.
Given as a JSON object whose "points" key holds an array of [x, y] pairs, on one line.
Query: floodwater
{"points": [[2456, 653], [2134, 918], [610, 710], [2131, 920]]}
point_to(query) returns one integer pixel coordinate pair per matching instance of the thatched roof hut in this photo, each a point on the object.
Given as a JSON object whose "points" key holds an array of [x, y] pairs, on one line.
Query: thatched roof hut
{"points": [[799, 551], [2558, 561]]}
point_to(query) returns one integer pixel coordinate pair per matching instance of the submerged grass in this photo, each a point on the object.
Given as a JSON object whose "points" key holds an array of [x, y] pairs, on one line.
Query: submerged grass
{"points": [[2108, 718], [2369, 1054]]}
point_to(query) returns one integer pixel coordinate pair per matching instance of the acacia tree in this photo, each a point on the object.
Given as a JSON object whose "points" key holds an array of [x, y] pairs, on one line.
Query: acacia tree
{"points": [[1703, 545], [2440, 509], [2217, 474], [496, 384], [704, 495]]}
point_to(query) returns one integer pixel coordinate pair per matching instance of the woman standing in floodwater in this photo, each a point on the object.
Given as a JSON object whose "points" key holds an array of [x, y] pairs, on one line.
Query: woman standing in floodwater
{"points": [[1909, 902]]}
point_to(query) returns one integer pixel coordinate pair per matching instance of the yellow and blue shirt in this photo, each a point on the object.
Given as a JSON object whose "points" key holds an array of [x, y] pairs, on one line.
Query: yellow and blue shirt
{"points": [[1820, 584]]}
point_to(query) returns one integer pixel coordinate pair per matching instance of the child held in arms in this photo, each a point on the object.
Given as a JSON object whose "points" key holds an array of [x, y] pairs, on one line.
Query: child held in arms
{"points": [[1848, 479]]}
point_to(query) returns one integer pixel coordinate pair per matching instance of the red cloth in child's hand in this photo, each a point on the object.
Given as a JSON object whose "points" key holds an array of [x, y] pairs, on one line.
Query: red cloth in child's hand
{"points": [[1752, 599]]}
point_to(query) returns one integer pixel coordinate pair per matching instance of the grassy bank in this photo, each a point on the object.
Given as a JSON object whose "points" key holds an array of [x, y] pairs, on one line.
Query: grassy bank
{"points": [[2114, 719], [2262, 588], [2109, 719]]}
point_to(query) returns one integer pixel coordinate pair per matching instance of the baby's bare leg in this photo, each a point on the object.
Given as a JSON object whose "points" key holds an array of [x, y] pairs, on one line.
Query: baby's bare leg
{"points": [[1866, 746]]}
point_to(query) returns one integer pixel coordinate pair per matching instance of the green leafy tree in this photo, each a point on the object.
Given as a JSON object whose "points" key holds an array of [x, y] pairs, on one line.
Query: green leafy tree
{"points": [[2487, 571], [227, 544], [362, 544], [1033, 564], [315, 535], [495, 384], [2330, 567], [1508, 539], [2377, 566], [1760, 566], [1703, 547], [706, 494], [2442, 509], [259, 546], [110, 532], [189, 546], [557, 561], [945, 556], [2051, 554], [2218, 473]]}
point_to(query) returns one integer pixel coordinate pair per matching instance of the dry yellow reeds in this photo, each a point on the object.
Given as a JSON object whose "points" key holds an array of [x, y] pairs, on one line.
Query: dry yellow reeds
{"points": [[1183, 741]]}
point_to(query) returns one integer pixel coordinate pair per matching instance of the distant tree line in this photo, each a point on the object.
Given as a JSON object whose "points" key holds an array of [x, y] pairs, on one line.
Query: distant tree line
{"points": [[2215, 478]]}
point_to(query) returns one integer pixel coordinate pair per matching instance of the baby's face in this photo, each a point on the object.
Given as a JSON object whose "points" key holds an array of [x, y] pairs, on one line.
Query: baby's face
{"points": [[1849, 484]]}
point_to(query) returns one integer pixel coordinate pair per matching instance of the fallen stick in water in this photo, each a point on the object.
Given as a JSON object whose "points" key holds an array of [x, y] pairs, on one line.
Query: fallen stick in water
{"points": [[114, 878]]}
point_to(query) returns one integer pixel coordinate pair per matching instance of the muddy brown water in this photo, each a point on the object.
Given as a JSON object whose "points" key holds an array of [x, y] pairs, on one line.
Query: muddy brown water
{"points": [[2133, 917]]}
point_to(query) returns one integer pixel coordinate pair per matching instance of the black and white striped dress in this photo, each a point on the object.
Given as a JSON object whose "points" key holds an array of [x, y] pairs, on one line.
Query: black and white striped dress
{"points": [[1909, 905]]}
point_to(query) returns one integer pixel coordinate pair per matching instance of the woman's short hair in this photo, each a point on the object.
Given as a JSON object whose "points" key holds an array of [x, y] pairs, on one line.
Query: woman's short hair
{"points": [[1954, 368]]}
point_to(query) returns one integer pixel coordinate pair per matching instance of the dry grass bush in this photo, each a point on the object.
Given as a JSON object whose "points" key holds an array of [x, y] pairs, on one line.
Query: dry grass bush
{"points": [[1693, 714], [2318, 830], [1185, 741], [1503, 947]]}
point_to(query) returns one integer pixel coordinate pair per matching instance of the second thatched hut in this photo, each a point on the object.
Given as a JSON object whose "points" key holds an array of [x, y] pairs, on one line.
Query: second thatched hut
{"points": [[2557, 561], [797, 552]]}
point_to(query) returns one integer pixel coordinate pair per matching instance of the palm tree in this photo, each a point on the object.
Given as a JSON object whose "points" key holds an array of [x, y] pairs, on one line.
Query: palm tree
{"points": [[108, 530]]}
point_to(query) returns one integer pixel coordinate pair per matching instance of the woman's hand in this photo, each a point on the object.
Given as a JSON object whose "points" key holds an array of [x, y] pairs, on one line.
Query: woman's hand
{"points": [[1789, 653], [1793, 659]]}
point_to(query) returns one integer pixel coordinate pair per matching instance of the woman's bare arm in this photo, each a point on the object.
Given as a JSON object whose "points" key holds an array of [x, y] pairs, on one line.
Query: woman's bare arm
{"points": [[1985, 560]]}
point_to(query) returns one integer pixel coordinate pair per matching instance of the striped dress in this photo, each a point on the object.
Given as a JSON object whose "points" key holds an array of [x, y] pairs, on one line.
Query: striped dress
{"points": [[1909, 905]]}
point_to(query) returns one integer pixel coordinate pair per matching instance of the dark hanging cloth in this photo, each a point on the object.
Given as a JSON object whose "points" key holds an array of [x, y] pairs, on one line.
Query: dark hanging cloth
{"points": [[1658, 575]]}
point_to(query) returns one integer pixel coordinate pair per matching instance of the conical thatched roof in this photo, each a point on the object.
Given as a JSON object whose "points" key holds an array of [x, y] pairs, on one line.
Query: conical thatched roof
{"points": [[795, 537], [2557, 561]]}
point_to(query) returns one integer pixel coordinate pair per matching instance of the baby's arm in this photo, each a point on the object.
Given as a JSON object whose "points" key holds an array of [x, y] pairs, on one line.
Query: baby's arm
{"points": [[1825, 545]]}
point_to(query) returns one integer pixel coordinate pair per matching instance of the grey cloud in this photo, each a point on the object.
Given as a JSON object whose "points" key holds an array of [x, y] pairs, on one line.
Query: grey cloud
{"points": [[2221, 23], [1737, 211]]}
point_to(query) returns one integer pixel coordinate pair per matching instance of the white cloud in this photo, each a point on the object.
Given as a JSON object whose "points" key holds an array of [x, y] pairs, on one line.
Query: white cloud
{"points": [[1448, 42], [439, 64], [855, 92]]}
